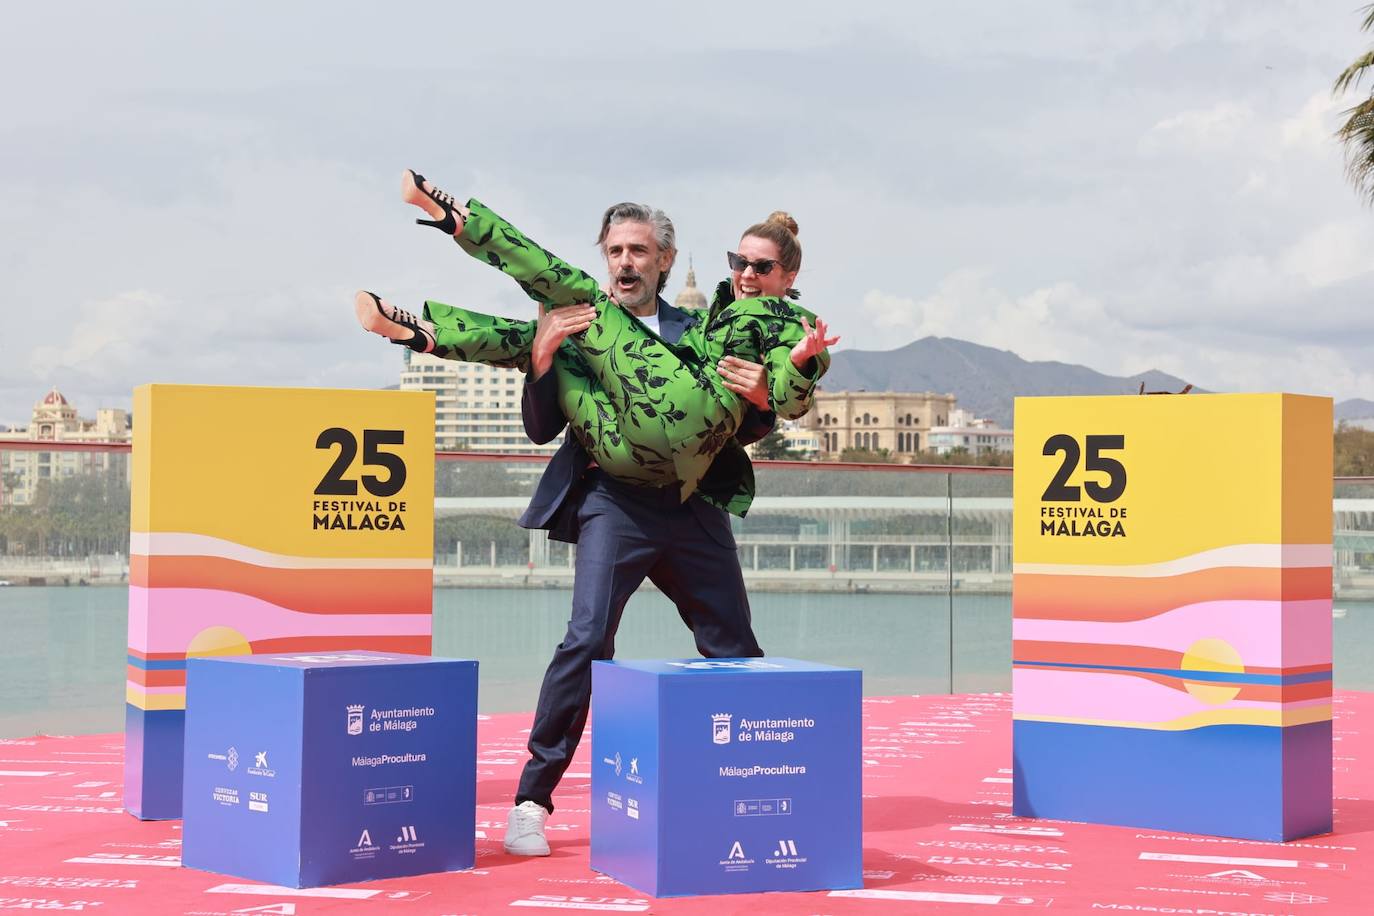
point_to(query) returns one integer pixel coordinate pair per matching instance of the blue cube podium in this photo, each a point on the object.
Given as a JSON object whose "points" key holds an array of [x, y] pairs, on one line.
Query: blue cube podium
{"points": [[727, 776], [306, 770]]}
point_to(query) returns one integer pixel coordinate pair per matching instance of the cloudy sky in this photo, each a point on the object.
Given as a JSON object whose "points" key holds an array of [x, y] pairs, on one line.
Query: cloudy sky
{"points": [[191, 192]]}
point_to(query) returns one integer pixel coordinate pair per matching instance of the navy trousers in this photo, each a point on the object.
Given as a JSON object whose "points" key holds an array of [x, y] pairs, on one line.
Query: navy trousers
{"points": [[629, 534]]}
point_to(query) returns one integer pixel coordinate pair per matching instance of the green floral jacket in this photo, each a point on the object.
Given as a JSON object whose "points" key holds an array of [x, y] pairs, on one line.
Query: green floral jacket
{"points": [[647, 411]]}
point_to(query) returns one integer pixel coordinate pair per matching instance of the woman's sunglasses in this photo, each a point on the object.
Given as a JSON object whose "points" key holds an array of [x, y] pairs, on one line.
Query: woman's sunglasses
{"points": [[763, 266]]}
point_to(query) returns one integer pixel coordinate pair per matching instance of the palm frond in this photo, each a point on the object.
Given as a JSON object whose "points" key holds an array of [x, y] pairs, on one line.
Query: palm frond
{"points": [[1351, 75], [1357, 136]]}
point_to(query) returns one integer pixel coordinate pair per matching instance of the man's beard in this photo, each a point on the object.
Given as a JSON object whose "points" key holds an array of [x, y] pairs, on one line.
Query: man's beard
{"points": [[646, 293]]}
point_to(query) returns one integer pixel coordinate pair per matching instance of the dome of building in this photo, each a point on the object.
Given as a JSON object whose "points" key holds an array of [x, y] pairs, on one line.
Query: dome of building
{"points": [[54, 398], [690, 297]]}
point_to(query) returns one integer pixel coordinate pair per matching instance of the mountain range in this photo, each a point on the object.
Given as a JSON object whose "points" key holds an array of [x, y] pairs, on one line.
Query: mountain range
{"points": [[987, 380], [1355, 409]]}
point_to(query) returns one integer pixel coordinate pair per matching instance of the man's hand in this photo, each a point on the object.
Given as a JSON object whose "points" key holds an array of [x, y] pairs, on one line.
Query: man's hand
{"points": [[554, 326], [746, 379]]}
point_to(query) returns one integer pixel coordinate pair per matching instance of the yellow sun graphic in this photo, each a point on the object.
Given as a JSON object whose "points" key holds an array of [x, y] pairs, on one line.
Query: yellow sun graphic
{"points": [[218, 641], [1212, 655]]}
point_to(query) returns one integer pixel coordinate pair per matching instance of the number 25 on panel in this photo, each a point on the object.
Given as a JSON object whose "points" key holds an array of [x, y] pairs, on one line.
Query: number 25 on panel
{"points": [[1059, 490]]}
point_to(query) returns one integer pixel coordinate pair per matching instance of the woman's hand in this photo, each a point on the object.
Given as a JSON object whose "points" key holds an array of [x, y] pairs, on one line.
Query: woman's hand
{"points": [[749, 380], [812, 344]]}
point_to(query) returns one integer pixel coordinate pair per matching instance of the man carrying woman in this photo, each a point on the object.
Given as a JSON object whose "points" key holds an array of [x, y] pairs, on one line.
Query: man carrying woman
{"points": [[644, 409], [626, 529]]}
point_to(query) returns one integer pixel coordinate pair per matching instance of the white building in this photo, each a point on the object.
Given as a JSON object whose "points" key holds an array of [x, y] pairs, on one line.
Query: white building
{"points": [[476, 407], [974, 435], [804, 443]]}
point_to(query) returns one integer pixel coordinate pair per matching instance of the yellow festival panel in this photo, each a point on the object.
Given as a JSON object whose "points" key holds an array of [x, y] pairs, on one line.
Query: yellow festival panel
{"points": [[246, 465], [267, 520], [1171, 613], [1307, 446], [1198, 472]]}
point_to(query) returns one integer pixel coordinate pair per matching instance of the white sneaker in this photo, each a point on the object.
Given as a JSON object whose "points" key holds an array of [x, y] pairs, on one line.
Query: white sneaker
{"points": [[525, 830]]}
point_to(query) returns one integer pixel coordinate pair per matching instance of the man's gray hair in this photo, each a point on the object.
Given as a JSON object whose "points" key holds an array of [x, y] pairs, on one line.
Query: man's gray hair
{"points": [[628, 212]]}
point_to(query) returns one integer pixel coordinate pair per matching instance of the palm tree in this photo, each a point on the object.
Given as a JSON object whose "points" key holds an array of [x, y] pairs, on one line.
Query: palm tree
{"points": [[1357, 133]]}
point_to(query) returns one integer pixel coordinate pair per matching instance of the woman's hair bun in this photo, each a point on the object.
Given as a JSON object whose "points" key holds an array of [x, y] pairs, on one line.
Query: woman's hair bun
{"points": [[784, 219]]}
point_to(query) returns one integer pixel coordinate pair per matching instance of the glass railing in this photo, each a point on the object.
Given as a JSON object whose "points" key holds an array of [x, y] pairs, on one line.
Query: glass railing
{"points": [[64, 524], [904, 572], [1353, 582]]}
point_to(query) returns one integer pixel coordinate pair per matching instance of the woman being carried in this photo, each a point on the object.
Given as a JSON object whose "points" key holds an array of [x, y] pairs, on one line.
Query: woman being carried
{"points": [[646, 411]]}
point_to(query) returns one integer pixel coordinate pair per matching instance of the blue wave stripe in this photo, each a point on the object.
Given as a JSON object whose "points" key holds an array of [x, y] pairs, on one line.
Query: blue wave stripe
{"points": [[1219, 677], [156, 664]]}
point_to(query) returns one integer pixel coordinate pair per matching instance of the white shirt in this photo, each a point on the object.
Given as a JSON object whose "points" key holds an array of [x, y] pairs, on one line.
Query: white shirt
{"points": [[651, 321]]}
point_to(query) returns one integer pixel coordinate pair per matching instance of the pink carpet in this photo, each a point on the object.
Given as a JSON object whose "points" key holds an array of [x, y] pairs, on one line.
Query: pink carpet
{"points": [[938, 838]]}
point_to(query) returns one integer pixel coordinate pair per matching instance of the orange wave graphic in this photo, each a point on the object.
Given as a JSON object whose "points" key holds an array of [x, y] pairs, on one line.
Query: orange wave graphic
{"points": [[310, 591], [157, 678], [1261, 693], [1117, 599], [155, 656], [1083, 653], [176, 677], [404, 645]]}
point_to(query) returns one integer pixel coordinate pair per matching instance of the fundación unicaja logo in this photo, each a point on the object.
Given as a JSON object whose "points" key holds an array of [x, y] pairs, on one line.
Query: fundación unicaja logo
{"points": [[720, 727], [355, 720]]}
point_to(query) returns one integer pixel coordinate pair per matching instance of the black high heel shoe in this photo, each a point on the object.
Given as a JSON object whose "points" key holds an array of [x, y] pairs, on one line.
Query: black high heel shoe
{"points": [[451, 221], [422, 334]]}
